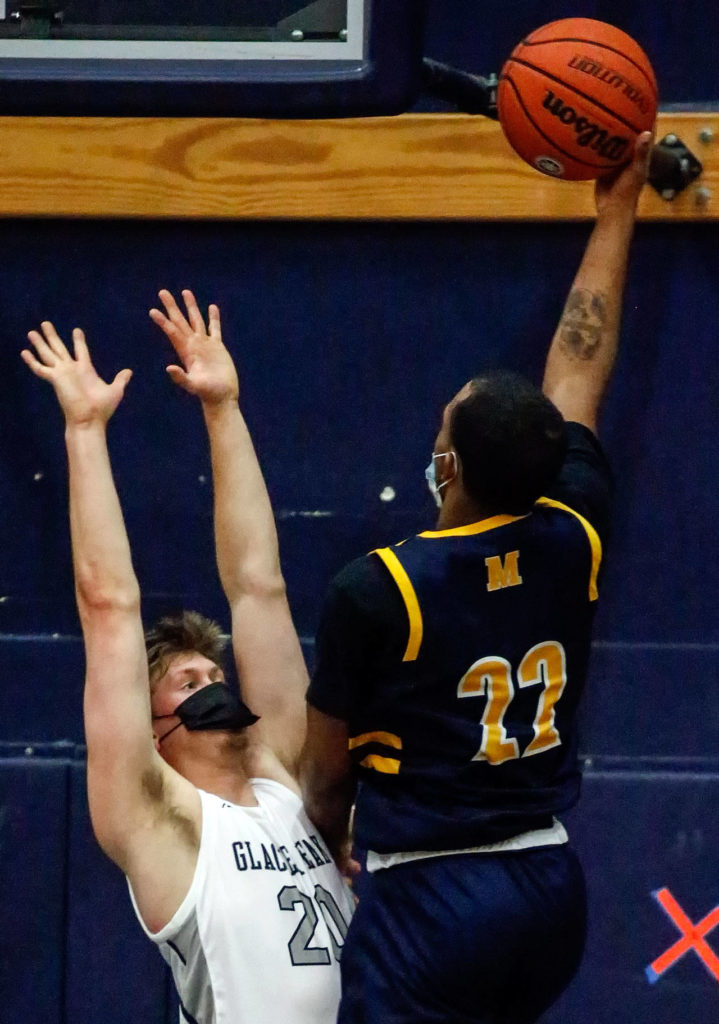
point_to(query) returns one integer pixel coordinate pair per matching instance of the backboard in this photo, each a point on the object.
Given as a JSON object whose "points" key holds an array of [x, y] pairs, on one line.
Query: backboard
{"points": [[252, 58]]}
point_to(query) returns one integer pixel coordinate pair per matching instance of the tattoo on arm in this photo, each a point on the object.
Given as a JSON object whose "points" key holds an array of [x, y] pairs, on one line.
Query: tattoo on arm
{"points": [[583, 322]]}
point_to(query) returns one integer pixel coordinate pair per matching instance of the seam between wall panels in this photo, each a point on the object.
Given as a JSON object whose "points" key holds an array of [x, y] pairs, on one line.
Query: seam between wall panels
{"points": [[64, 956]]}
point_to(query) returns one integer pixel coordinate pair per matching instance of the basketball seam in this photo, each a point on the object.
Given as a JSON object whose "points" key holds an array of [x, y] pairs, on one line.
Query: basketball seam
{"points": [[570, 156], [604, 46], [584, 95]]}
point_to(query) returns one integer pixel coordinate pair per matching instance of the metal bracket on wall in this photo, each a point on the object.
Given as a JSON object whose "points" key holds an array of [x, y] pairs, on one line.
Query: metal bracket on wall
{"points": [[472, 94], [673, 167], [34, 20]]}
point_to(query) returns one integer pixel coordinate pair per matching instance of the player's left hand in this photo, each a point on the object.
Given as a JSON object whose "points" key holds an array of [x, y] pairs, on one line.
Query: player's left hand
{"points": [[207, 369], [621, 188]]}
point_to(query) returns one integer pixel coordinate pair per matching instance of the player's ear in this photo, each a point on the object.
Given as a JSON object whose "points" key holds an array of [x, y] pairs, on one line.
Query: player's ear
{"points": [[451, 469]]}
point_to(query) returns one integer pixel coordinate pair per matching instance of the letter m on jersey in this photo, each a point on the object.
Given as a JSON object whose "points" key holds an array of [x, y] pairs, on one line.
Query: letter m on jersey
{"points": [[503, 573]]}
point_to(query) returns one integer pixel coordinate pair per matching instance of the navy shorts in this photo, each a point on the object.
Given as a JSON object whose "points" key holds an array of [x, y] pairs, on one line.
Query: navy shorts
{"points": [[465, 939]]}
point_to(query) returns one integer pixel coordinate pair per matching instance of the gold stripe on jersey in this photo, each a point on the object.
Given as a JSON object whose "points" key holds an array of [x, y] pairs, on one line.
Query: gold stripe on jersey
{"points": [[387, 765], [409, 597], [473, 528], [594, 542], [388, 738]]}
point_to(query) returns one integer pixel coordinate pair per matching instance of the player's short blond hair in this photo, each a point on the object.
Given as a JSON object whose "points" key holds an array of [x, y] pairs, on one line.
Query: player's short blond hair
{"points": [[182, 634]]}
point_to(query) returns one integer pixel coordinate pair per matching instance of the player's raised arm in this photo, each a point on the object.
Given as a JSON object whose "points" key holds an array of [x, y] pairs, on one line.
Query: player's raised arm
{"points": [[269, 659], [584, 347], [126, 776]]}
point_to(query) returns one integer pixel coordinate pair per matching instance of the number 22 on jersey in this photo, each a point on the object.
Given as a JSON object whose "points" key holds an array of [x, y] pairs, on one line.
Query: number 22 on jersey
{"points": [[543, 666]]}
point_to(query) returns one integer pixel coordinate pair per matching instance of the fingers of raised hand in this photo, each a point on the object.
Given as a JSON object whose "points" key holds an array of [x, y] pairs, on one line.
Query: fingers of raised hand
{"points": [[35, 365], [179, 377], [161, 320], [193, 313], [50, 350], [643, 152], [80, 345], [214, 319], [53, 340], [173, 311], [121, 380]]}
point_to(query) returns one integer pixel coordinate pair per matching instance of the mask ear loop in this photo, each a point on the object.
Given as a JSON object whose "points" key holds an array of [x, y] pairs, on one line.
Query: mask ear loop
{"points": [[443, 455], [164, 736]]}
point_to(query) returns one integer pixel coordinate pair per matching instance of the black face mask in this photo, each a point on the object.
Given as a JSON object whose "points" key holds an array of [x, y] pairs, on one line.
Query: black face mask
{"points": [[215, 706]]}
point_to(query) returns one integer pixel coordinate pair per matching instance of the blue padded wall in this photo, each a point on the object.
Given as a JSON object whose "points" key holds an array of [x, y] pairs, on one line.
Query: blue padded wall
{"points": [[350, 337], [113, 972], [33, 841], [638, 832]]}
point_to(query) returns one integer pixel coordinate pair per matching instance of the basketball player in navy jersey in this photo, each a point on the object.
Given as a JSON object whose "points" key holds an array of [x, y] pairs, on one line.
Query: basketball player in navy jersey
{"points": [[449, 671], [192, 797]]}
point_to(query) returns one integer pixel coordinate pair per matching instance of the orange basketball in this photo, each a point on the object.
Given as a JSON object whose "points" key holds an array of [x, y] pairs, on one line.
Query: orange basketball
{"points": [[574, 95]]}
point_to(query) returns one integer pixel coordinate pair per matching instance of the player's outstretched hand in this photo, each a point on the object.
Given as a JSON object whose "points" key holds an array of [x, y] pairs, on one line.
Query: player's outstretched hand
{"points": [[621, 188], [207, 368], [83, 395]]}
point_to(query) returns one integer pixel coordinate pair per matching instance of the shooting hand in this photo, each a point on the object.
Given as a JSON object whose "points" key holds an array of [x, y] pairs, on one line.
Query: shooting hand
{"points": [[622, 187]]}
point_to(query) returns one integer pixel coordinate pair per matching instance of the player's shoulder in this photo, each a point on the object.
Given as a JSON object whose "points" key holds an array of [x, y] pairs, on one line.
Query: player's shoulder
{"points": [[583, 441], [362, 579], [363, 596], [585, 483]]}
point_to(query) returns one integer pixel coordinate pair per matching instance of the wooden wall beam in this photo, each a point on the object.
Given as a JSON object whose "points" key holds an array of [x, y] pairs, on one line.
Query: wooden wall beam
{"points": [[417, 166]]}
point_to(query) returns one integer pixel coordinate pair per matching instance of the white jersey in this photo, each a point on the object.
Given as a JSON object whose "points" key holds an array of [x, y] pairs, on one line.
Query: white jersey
{"points": [[258, 937]]}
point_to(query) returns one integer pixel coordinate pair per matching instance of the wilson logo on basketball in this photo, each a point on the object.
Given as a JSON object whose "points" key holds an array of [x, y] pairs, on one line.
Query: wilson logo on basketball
{"points": [[613, 79], [589, 134]]}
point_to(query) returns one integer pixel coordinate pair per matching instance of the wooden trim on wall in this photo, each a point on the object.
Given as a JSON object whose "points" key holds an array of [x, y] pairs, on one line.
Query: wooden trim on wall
{"points": [[416, 166]]}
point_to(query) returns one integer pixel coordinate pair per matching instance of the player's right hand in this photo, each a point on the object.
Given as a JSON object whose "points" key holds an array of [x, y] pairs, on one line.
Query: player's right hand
{"points": [[83, 395], [621, 188]]}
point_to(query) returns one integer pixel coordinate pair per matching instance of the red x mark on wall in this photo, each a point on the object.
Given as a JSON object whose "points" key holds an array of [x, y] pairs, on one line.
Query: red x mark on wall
{"points": [[692, 938]]}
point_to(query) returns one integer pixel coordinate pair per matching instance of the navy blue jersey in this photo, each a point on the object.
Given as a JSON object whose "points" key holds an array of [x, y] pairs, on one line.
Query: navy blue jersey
{"points": [[458, 659]]}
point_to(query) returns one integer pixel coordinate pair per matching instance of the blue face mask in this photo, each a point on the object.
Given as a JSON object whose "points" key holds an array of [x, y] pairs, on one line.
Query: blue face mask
{"points": [[430, 474]]}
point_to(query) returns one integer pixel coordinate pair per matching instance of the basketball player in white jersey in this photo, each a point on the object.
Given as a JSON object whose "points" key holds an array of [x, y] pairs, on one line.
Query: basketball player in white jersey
{"points": [[195, 800]]}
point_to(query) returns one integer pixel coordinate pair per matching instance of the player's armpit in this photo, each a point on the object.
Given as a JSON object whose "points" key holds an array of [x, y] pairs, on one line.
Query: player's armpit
{"points": [[161, 850], [145, 816]]}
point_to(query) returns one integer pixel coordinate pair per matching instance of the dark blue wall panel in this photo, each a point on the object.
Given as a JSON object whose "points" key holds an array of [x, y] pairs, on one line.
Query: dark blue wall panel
{"points": [[42, 677], [114, 972], [637, 833], [33, 845]]}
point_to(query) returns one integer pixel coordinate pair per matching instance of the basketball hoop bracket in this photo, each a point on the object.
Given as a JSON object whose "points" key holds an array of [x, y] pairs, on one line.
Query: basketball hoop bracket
{"points": [[672, 167], [472, 94]]}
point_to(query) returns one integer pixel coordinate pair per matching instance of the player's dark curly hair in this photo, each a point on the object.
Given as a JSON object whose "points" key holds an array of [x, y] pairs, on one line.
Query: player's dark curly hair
{"points": [[182, 634], [511, 441]]}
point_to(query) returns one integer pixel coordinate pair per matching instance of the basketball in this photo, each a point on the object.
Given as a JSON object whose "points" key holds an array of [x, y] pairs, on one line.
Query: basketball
{"points": [[573, 97]]}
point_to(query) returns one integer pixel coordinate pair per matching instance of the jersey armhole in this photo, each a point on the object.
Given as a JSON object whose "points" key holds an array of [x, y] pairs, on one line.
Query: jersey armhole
{"points": [[182, 914], [409, 597], [595, 543]]}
